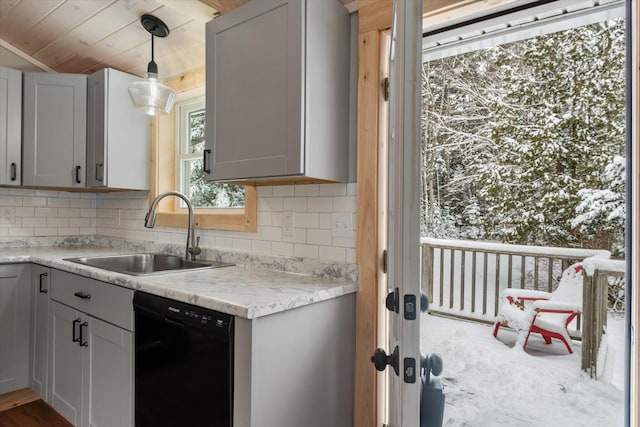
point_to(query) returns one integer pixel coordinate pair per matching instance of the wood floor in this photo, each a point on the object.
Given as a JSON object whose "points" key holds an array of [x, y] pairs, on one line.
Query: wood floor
{"points": [[24, 408]]}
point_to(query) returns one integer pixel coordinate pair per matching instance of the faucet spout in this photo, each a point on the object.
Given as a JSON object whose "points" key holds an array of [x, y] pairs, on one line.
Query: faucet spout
{"points": [[150, 221]]}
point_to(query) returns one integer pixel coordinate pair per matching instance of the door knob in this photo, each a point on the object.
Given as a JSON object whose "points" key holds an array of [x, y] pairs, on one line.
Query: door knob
{"points": [[381, 359]]}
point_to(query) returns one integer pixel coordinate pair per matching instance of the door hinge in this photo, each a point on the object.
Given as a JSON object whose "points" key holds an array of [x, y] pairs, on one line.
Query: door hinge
{"points": [[386, 88], [385, 261]]}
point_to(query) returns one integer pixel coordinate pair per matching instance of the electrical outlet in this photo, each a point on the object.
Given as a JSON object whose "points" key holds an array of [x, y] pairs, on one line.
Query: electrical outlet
{"points": [[8, 216], [117, 217], [288, 223], [341, 224]]}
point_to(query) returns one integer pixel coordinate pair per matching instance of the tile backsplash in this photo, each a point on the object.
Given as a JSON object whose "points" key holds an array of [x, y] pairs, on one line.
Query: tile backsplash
{"points": [[42, 213]]}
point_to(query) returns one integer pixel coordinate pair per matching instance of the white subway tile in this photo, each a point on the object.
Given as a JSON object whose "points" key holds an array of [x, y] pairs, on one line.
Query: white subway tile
{"points": [[270, 204], [283, 190], [324, 220], [331, 253], [70, 231], [46, 212], [34, 222], [80, 203], [305, 251], [264, 191], [307, 220], [320, 204], [25, 212], [296, 204], [260, 246], [20, 232], [55, 202], [299, 236], [333, 190], [351, 256], [282, 249], [69, 212], [58, 222], [242, 245], [307, 190], [273, 234], [319, 237], [352, 188], [344, 204]]}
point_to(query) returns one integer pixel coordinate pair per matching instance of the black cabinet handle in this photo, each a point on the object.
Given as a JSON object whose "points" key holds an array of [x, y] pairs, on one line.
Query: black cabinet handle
{"points": [[83, 343], [78, 174], [41, 288], [99, 177], [82, 295], [205, 161], [14, 171], [73, 330]]}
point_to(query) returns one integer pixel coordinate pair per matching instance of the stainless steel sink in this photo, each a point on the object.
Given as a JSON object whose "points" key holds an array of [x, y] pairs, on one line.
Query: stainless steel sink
{"points": [[145, 264]]}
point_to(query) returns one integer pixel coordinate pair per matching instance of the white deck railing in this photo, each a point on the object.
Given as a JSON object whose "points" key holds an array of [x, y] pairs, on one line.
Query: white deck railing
{"points": [[465, 279]]}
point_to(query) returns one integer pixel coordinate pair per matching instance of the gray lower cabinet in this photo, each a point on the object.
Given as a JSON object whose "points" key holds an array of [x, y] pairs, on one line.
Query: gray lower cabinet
{"points": [[296, 368], [54, 125], [278, 91], [118, 136], [40, 333], [14, 327], [91, 372], [10, 126]]}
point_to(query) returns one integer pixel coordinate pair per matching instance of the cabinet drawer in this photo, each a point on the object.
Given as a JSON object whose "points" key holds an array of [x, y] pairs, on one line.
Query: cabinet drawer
{"points": [[99, 299], [7, 271]]}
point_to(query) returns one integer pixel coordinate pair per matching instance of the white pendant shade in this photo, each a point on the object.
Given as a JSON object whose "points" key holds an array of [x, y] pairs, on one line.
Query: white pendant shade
{"points": [[151, 97]]}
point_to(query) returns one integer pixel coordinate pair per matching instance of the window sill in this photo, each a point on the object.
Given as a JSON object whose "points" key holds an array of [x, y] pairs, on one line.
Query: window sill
{"points": [[237, 220]]}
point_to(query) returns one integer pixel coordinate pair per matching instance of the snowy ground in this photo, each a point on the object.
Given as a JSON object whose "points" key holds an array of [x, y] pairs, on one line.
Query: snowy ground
{"points": [[493, 382]]}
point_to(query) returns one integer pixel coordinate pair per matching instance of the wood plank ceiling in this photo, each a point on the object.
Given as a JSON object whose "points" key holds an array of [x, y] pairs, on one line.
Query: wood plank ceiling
{"points": [[82, 36]]}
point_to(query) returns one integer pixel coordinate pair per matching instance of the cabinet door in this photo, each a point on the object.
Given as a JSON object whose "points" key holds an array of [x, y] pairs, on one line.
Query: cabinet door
{"points": [[254, 124], [14, 328], [67, 371], [10, 126], [118, 141], [108, 372], [54, 129], [40, 309]]}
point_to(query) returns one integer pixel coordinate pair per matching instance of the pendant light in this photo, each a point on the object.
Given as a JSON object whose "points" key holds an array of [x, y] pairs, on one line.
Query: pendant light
{"points": [[150, 96]]}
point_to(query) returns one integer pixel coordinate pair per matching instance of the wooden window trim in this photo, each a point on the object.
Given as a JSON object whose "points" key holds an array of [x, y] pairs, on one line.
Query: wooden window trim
{"points": [[163, 173]]}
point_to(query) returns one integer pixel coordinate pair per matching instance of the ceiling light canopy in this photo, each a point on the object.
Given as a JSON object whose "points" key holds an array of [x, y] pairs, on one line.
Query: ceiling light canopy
{"points": [[150, 96]]}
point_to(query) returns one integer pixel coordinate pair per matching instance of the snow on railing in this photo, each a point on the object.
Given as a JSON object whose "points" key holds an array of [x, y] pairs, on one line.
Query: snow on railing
{"points": [[465, 279]]}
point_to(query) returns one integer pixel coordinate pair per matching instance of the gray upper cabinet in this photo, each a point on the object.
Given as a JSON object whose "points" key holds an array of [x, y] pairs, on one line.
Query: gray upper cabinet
{"points": [[117, 135], [278, 92], [54, 130], [10, 126]]}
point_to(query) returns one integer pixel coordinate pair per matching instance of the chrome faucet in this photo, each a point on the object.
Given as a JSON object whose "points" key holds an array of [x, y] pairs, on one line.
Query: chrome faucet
{"points": [[150, 220]]}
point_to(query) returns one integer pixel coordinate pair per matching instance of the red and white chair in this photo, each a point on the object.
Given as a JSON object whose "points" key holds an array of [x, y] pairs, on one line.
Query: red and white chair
{"points": [[548, 314]]}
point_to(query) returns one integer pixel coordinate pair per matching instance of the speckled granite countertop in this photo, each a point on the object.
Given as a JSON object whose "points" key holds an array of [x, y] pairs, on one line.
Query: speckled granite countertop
{"points": [[241, 291]]}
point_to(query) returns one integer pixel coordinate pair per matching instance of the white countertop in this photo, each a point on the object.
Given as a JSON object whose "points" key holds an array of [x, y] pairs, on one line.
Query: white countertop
{"points": [[240, 291]]}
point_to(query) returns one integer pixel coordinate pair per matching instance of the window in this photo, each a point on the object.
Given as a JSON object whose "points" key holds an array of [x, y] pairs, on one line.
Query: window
{"points": [[178, 166], [190, 180]]}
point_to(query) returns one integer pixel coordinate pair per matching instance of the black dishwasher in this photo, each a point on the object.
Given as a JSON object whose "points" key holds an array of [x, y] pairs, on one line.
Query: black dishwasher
{"points": [[183, 364]]}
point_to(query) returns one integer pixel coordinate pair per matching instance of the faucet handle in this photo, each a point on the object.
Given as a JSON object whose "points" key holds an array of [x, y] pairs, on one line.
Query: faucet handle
{"points": [[195, 250]]}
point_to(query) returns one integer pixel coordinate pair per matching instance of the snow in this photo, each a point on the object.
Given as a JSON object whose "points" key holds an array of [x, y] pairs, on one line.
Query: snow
{"points": [[493, 382]]}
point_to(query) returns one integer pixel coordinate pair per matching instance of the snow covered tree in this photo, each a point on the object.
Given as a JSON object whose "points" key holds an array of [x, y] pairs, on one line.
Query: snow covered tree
{"points": [[602, 212], [511, 134]]}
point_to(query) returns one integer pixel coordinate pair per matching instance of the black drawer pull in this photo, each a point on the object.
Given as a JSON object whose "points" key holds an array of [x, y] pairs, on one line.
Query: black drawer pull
{"points": [[41, 289], [78, 174], [73, 330], [83, 343], [14, 171], [82, 295]]}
